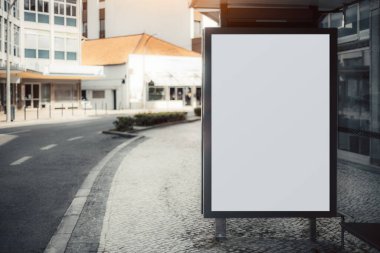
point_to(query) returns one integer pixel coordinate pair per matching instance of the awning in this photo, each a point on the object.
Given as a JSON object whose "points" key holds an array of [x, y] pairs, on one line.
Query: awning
{"points": [[56, 72], [323, 5]]}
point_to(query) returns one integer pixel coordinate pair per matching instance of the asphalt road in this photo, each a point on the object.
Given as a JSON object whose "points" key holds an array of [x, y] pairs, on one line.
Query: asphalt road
{"points": [[41, 169]]}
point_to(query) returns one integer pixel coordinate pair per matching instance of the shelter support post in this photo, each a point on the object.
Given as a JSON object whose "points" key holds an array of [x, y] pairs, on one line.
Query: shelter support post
{"points": [[220, 229]]}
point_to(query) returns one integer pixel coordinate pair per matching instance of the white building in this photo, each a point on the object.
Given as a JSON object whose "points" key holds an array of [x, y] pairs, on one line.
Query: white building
{"points": [[169, 20], [46, 53], [142, 72]]}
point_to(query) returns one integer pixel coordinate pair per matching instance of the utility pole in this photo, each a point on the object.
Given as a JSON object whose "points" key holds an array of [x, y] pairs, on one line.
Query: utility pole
{"points": [[8, 86]]}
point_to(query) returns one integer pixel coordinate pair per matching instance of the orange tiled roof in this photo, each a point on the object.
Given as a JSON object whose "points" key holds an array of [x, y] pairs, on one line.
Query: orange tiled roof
{"points": [[112, 51]]}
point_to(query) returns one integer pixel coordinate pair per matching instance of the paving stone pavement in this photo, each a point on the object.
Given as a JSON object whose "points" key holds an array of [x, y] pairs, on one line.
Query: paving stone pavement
{"points": [[154, 205]]}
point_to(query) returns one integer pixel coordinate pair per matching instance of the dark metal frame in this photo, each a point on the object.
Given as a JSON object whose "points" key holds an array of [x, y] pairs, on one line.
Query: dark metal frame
{"points": [[206, 124]]}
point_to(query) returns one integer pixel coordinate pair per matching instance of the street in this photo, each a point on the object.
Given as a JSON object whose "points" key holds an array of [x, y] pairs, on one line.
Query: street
{"points": [[41, 169]]}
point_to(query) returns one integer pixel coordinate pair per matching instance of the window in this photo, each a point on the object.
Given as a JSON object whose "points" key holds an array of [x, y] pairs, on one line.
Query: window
{"points": [[98, 94], [71, 12], [364, 15], [156, 93], [37, 46], [30, 8], [336, 20], [351, 21], [59, 12], [71, 48], [43, 46], [176, 93], [39, 13], [65, 92], [59, 45], [16, 44], [5, 36], [102, 28]]}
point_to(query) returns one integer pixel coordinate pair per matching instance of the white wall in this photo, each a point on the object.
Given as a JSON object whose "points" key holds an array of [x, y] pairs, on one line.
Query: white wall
{"points": [[112, 81], [93, 19], [168, 19]]}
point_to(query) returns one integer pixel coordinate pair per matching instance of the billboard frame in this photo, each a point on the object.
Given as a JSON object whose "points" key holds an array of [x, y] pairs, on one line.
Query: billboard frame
{"points": [[207, 125]]}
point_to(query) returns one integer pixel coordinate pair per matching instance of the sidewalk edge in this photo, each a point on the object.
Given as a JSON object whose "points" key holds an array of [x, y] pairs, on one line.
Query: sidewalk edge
{"points": [[61, 237]]}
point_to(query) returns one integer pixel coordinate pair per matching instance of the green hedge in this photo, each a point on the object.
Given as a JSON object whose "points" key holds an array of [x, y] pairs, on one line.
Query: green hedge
{"points": [[150, 119], [198, 111], [124, 123], [147, 119]]}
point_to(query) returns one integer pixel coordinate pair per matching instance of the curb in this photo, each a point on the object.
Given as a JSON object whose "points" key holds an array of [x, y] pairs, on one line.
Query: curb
{"points": [[135, 132], [61, 237]]}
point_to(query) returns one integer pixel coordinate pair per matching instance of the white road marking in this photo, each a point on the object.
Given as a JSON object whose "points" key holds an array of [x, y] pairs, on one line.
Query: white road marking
{"points": [[75, 138], [48, 147], [21, 160], [18, 132]]}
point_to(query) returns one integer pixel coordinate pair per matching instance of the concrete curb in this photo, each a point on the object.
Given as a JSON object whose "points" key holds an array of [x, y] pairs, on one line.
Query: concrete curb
{"points": [[135, 132], [61, 237]]}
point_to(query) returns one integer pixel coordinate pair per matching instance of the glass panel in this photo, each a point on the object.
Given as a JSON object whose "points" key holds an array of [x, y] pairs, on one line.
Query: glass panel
{"points": [[40, 6], [71, 22], [28, 91], [179, 93], [172, 93], [43, 42], [68, 10], [36, 91], [59, 44], [71, 45], [56, 8], [59, 20], [45, 92], [74, 11], [32, 5], [98, 94], [336, 20], [156, 93], [29, 16], [30, 53], [351, 22], [71, 56], [46, 7], [26, 5], [43, 54], [42, 18], [59, 55], [364, 15]]}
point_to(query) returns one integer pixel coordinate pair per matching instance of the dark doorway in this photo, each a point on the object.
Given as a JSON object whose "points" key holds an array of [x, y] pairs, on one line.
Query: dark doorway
{"points": [[114, 99]]}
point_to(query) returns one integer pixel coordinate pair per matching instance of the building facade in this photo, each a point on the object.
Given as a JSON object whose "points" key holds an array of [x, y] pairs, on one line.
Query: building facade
{"points": [[141, 72], [359, 81], [169, 20], [46, 54]]}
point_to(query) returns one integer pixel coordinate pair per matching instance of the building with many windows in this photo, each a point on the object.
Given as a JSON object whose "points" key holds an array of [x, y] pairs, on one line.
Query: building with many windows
{"points": [[358, 69], [46, 53]]}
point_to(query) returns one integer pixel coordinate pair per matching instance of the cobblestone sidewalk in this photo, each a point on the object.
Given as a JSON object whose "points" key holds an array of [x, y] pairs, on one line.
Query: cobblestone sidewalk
{"points": [[154, 206]]}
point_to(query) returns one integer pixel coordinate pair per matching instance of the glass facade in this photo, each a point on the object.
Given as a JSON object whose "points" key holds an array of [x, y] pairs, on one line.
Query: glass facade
{"points": [[356, 106]]}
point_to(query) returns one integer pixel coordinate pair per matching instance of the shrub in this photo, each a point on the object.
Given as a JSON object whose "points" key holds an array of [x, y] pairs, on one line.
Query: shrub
{"points": [[124, 123], [149, 119], [197, 111]]}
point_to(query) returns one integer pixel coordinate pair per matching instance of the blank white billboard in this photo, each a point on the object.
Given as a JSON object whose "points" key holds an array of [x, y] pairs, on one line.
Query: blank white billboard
{"points": [[270, 123]]}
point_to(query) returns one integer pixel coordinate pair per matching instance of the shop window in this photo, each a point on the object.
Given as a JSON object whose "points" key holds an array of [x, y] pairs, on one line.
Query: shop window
{"points": [[176, 93], [156, 93], [98, 94], [65, 92]]}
